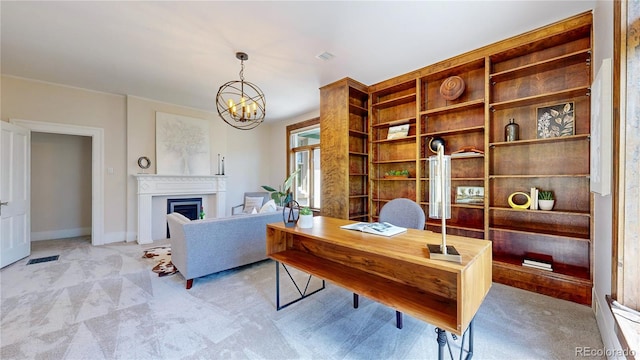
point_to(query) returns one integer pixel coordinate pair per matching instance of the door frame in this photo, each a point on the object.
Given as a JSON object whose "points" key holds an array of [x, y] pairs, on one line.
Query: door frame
{"points": [[97, 166]]}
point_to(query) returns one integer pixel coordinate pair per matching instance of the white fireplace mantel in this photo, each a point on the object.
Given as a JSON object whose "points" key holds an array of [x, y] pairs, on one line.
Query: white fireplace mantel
{"points": [[150, 185]]}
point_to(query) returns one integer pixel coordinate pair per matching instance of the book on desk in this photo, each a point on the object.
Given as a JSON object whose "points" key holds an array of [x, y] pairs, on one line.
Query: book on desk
{"points": [[377, 228]]}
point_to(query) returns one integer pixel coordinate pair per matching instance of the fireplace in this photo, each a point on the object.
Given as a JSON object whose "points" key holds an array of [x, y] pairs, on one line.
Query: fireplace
{"points": [[154, 191], [190, 208]]}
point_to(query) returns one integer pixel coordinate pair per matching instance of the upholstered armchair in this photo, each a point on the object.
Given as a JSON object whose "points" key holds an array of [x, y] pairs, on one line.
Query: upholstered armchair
{"points": [[252, 200]]}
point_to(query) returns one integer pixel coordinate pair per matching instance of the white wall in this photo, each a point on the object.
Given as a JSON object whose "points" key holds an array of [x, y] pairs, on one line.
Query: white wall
{"points": [[129, 132], [60, 186], [603, 211], [39, 101]]}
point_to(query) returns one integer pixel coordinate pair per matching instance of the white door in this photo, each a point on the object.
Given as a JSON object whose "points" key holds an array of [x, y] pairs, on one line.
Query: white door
{"points": [[15, 228]]}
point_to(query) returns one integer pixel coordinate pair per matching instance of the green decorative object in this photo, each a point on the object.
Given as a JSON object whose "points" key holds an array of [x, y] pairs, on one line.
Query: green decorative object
{"points": [[282, 195]]}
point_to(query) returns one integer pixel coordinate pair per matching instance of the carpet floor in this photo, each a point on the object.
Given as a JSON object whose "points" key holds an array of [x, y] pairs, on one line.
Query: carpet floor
{"points": [[105, 303]]}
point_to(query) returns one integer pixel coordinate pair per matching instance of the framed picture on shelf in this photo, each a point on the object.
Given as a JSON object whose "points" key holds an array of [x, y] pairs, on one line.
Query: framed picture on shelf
{"points": [[556, 120], [469, 195], [397, 132]]}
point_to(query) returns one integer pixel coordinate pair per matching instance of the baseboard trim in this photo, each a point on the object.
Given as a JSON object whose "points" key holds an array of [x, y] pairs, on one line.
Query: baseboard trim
{"points": [[604, 319], [60, 234]]}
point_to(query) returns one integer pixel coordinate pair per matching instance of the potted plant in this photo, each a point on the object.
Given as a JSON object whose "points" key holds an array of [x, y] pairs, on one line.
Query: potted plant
{"points": [[282, 195], [545, 200], [396, 174], [305, 221]]}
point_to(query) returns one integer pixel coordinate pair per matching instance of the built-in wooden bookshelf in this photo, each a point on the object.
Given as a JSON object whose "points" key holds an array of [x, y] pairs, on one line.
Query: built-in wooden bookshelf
{"points": [[344, 127], [510, 79]]}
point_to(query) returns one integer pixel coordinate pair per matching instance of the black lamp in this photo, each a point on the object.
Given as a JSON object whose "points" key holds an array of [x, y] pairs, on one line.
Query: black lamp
{"points": [[241, 104]]}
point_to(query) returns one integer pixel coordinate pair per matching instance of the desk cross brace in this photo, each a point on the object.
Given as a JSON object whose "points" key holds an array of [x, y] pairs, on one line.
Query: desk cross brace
{"points": [[442, 339], [303, 293]]}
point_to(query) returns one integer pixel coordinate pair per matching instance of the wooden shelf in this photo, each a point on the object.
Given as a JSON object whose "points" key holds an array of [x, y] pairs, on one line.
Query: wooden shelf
{"points": [[392, 161], [539, 176], [358, 133], [406, 138], [536, 232], [359, 217], [563, 271], [406, 99], [541, 141], [456, 69], [458, 179], [358, 110], [453, 225], [542, 66], [454, 205], [456, 107], [358, 153], [549, 212], [394, 179], [537, 99], [456, 131], [395, 122], [362, 196], [358, 174]]}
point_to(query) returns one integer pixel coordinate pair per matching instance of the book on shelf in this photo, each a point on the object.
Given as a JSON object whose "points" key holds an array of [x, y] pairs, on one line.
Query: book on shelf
{"points": [[467, 154], [377, 228], [537, 266], [467, 151], [538, 261], [397, 132], [534, 199]]}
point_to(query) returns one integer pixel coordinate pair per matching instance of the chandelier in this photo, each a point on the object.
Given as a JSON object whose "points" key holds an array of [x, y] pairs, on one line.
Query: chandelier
{"points": [[241, 104]]}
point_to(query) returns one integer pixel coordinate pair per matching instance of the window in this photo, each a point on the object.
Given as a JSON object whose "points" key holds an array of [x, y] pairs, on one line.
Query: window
{"points": [[304, 155]]}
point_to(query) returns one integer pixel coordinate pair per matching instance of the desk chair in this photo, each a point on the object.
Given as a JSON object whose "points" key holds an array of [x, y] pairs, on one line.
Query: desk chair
{"points": [[404, 213]]}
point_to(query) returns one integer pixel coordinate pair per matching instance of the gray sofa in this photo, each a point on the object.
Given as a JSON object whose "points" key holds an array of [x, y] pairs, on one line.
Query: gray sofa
{"points": [[203, 247]]}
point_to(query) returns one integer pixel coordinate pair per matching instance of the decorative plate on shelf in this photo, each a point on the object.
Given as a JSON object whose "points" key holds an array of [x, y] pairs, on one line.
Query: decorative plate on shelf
{"points": [[452, 87]]}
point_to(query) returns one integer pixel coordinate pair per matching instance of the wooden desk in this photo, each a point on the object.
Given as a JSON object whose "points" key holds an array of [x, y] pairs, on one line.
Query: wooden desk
{"points": [[394, 271]]}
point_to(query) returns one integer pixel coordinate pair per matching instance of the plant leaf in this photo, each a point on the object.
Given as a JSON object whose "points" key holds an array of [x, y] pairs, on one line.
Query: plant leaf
{"points": [[287, 183]]}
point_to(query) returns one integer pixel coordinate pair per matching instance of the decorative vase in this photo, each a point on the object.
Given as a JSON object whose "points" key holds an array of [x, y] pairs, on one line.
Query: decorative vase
{"points": [[511, 131], [305, 221], [546, 204]]}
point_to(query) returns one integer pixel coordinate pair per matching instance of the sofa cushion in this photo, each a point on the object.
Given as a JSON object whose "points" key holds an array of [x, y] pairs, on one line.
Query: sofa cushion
{"points": [[181, 218], [270, 206], [252, 203]]}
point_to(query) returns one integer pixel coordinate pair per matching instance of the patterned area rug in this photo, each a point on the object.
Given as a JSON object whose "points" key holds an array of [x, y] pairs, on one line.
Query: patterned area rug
{"points": [[162, 254]]}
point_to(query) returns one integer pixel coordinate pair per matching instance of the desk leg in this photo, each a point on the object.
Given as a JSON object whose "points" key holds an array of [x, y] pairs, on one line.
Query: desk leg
{"points": [[442, 341], [355, 300], [303, 294]]}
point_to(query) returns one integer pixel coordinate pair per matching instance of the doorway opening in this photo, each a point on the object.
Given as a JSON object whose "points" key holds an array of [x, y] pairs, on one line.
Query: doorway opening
{"points": [[97, 166]]}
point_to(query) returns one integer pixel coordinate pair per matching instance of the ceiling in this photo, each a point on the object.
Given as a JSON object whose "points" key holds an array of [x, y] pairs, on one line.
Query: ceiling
{"points": [[181, 52]]}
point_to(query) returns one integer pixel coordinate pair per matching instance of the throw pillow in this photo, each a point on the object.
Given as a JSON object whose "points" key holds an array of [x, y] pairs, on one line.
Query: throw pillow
{"points": [[270, 206], [251, 203]]}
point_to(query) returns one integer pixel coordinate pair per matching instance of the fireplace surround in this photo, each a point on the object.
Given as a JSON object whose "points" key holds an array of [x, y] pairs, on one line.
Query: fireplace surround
{"points": [[154, 189]]}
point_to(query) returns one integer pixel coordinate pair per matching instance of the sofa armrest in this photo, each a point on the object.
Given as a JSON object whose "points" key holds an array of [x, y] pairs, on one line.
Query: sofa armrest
{"points": [[234, 211]]}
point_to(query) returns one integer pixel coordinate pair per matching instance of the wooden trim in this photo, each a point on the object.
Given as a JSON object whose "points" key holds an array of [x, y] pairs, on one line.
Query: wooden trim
{"points": [[291, 128], [617, 49]]}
